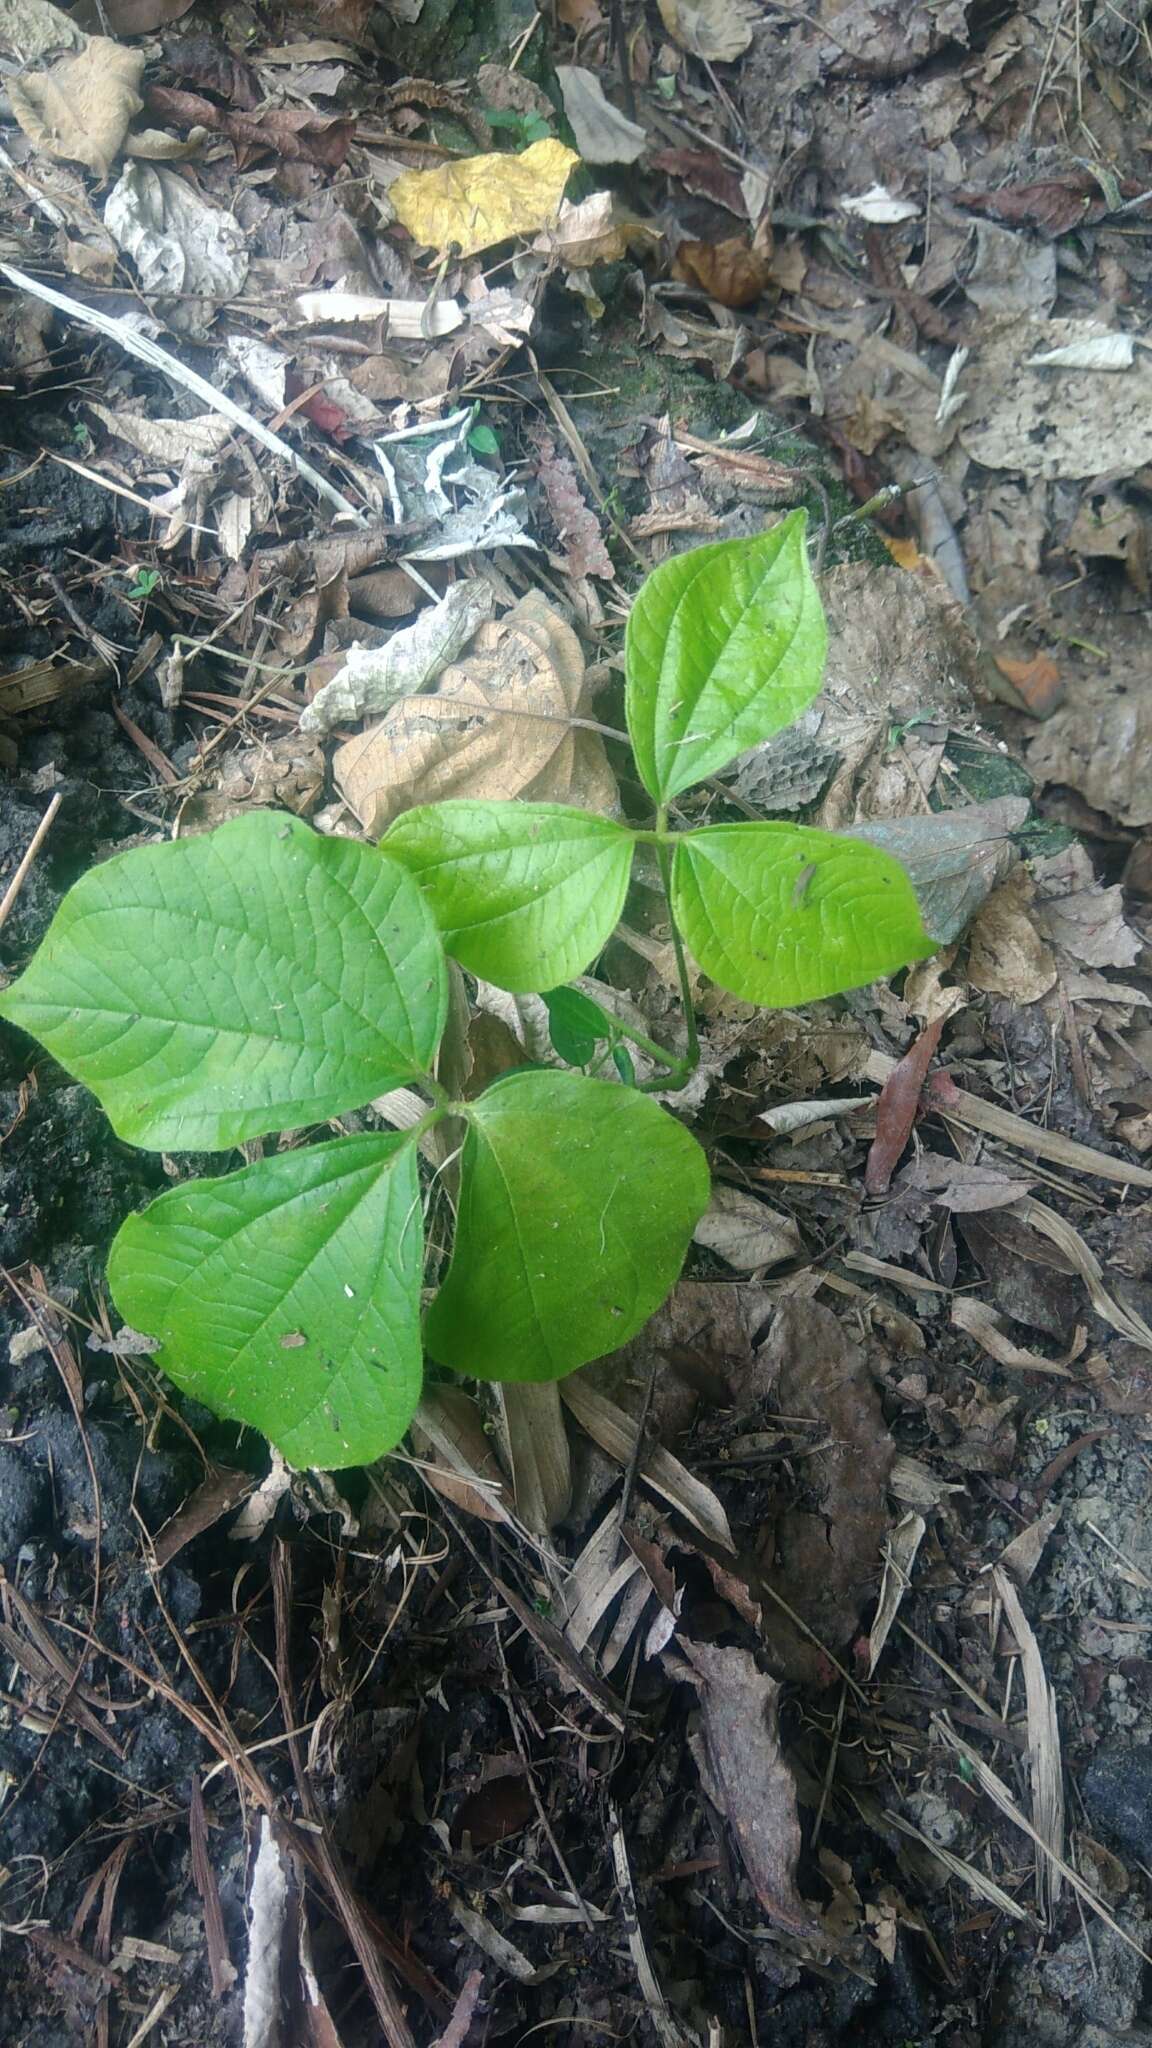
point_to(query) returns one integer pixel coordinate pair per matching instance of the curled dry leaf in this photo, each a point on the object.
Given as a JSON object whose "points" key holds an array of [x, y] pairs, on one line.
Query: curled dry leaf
{"points": [[826, 1547], [745, 1773], [497, 727], [482, 200], [577, 525], [597, 230], [80, 107], [731, 272]]}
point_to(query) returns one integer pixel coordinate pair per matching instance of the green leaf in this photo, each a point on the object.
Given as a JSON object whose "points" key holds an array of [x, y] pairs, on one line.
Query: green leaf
{"points": [[577, 1204], [249, 980], [576, 1025], [482, 440], [780, 914], [725, 645], [525, 894], [288, 1296]]}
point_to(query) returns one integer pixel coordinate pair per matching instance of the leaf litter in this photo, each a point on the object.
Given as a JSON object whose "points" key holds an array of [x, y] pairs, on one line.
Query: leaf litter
{"points": [[734, 1474]]}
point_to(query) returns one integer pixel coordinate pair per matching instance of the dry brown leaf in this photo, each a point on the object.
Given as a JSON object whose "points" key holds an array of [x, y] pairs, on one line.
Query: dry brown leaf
{"points": [[1048, 420], [719, 30], [1081, 917], [140, 17], [598, 230], [825, 1552], [618, 1436], [745, 1774], [1006, 954], [448, 1430], [1037, 685], [482, 200], [536, 1443], [603, 134], [482, 734], [979, 1321], [745, 1232], [80, 108], [731, 272]]}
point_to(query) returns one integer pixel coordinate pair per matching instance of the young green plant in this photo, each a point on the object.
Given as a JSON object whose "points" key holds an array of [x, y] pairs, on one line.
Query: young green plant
{"points": [[262, 980]]}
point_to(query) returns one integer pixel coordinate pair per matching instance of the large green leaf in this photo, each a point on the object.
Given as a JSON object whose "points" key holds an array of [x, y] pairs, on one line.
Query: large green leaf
{"points": [[524, 894], [249, 980], [288, 1296], [725, 645], [780, 914], [577, 1204]]}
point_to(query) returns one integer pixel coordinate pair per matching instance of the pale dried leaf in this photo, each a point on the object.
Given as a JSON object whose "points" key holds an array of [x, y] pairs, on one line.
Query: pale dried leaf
{"points": [[373, 678], [978, 1320], [1034, 407], [597, 230], [603, 134], [167, 440], [464, 1468], [745, 1232], [1043, 1747], [878, 207], [267, 1916], [899, 1558], [79, 109], [177, 240], [617, 1435], [537, 1448], [404, 319], [1006, 954]]}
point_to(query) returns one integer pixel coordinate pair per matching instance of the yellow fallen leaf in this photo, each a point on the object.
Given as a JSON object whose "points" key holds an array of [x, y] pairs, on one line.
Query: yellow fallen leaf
{"points": [[483, 199], [80, 108]]}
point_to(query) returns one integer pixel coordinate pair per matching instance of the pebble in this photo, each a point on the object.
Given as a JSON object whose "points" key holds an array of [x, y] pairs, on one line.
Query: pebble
{"points": [[1117, 1792]]}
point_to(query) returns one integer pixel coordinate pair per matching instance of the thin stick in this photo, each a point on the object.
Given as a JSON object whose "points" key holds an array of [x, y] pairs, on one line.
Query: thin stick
{"points": [[686, 997], [21, 875]]}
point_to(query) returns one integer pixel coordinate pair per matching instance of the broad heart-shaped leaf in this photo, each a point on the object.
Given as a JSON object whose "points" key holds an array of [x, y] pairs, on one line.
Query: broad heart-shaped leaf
{"points": [[578, 1201], [253, 979], [780, 914], [725, 645], [288, 1296], [525, 894]]}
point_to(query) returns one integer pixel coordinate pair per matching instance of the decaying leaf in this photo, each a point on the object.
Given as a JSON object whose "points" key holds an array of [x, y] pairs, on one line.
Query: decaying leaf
{"points": [[603, 134], [732, 272], [481, 200], [597, 230], [745, 1232], [80, 107], [745, 1773], [1036, 409], [577, 525], [294, 133], [822, 1556], [1082, 919], [497, 727], [373, 678], [897, 1108], [952, 858], [719, 30], [179, 243], [1006, 954]]}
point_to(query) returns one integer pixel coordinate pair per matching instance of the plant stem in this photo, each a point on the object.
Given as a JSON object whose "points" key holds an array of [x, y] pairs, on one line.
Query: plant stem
{"points": [[664, 857]]}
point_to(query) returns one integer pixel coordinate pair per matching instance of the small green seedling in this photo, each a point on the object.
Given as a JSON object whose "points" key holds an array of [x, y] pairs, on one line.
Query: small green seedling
{"points": [[262, 979]]}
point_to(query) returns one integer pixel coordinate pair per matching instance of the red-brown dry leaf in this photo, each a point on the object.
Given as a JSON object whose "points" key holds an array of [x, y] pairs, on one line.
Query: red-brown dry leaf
{"points": [[731, 272], [704, 176], [288, 132], [1052, 205], [502, 1807], [897, 1107], [822, 1555], [1038, 683], [745, 1774]]}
